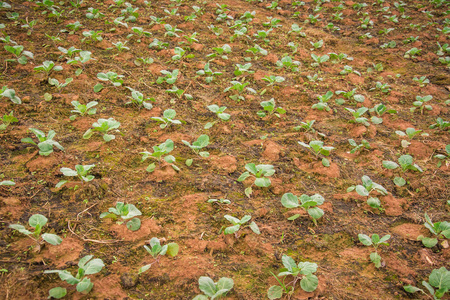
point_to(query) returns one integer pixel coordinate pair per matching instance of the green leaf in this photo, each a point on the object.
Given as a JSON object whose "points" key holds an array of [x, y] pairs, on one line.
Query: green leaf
{"points": [[151, 167], [98, 87], [389, 164], [52, 239], [275, 292], [134, 224], [294, 217], [374, 202], [399, 181], [37, 220], [144, 268], [254, 228], [412, 289], [207, 286], [248, 191], [20, 228], [440, 278], [362, 191], [60, 184], [315, 212], [325, 162], [307, 267], [57, 293], [232, 229], [289, 263], [243, 176], [289, 200], [365, 239], [85, 286], [189, 162], [309, 283], [94, 266], [262, 182]]}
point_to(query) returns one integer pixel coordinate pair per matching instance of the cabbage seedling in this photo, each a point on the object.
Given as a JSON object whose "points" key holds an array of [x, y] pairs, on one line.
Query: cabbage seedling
{"points": [[302, 271], [167, 119], [125, 211], [239, 224], [420, 103], [158, 152], [59, 85], [156, 251], [138, 98], [411, 133], [219, 111], [169, 77], [37, 222], [46, 143], [308, 203], [406, 162], [7, 183], [272, 79], [260, 172], [364, 145], [81, 171], [200, 143], [257, 49], [440, 156], [441, 124], [241, 69], [86, 266], [83, 109], [220, 51], [270, 108], [288, 63], [48, 66], [19, 53], [439, 279], [317, 148], [213, 290], [10, 94], [366, 188], [103, 126], [357, 115], [375, 241], [7, 120], [115, 79], [172, 31], [208, 72], [438, 229], [323, 102]]}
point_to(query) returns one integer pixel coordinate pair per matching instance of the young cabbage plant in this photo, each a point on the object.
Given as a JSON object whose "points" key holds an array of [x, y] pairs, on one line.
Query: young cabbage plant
{"points": [[241, 69], [441, 124], [318, 60], [272, 79], [213, 290], [126, 212], [323, 102], [240, 224], [406, 163], [257, 49], [375, 241], [10, 94], [138, 98], [8, 120], [167, 119], [269, 109], [317, 148], [220, 112], [172, 31], [201, 142], [411, 133], [380, 110], [160, 151], [103, 126], [45, 143], [288, 63], [210, 75], [47, 67], [86, 266], [37, 222], [439, 279], [82, 109], [442, 156], [303, 271], [81, 171], [220, 51], [357, 115], [156, 251], [367, 187], [112, 77], [439, 230], [21, 55], [308, 203], [169, 77], [60, 85], [420, 103], [364, 145], [260, 173]]}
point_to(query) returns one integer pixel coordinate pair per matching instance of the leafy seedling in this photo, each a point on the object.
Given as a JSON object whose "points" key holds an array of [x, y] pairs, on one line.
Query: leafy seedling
{"points": [[411, 133], [241, 69], [47, 67], [375, 241], [220, 51], [323, 102], [156, 251], [260, 173], [422, 81], [438, 229], [138, 98], [272, 79], [318, 60], [167, 119], [442, 157], [160, 151], [8, 120], [59, 85], [364, 145], [269, 109], [357, 115], [257, 49], [103, 126], [441, 124], [220, 112], [172, 31], [240, 224], [199, 144], [82, 109], [126, 212], [112, 77], [302, 271], [86, 266], [439, 279], [406, 162], [420, 103], [367, 187], [45, 143], [308, 203], [169, 77], [288, 63], [37, 222], [317, 148], [10, 94], [210, 74], [21, 55], [81, 171], [213, 290]]}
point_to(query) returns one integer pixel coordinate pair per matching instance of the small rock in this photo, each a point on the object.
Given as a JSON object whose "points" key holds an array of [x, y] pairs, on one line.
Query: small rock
{"points": [[129, 280]]}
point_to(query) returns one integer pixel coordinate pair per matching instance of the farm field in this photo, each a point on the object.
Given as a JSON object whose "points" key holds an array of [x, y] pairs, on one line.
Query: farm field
{"points": [[181, 149]]}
